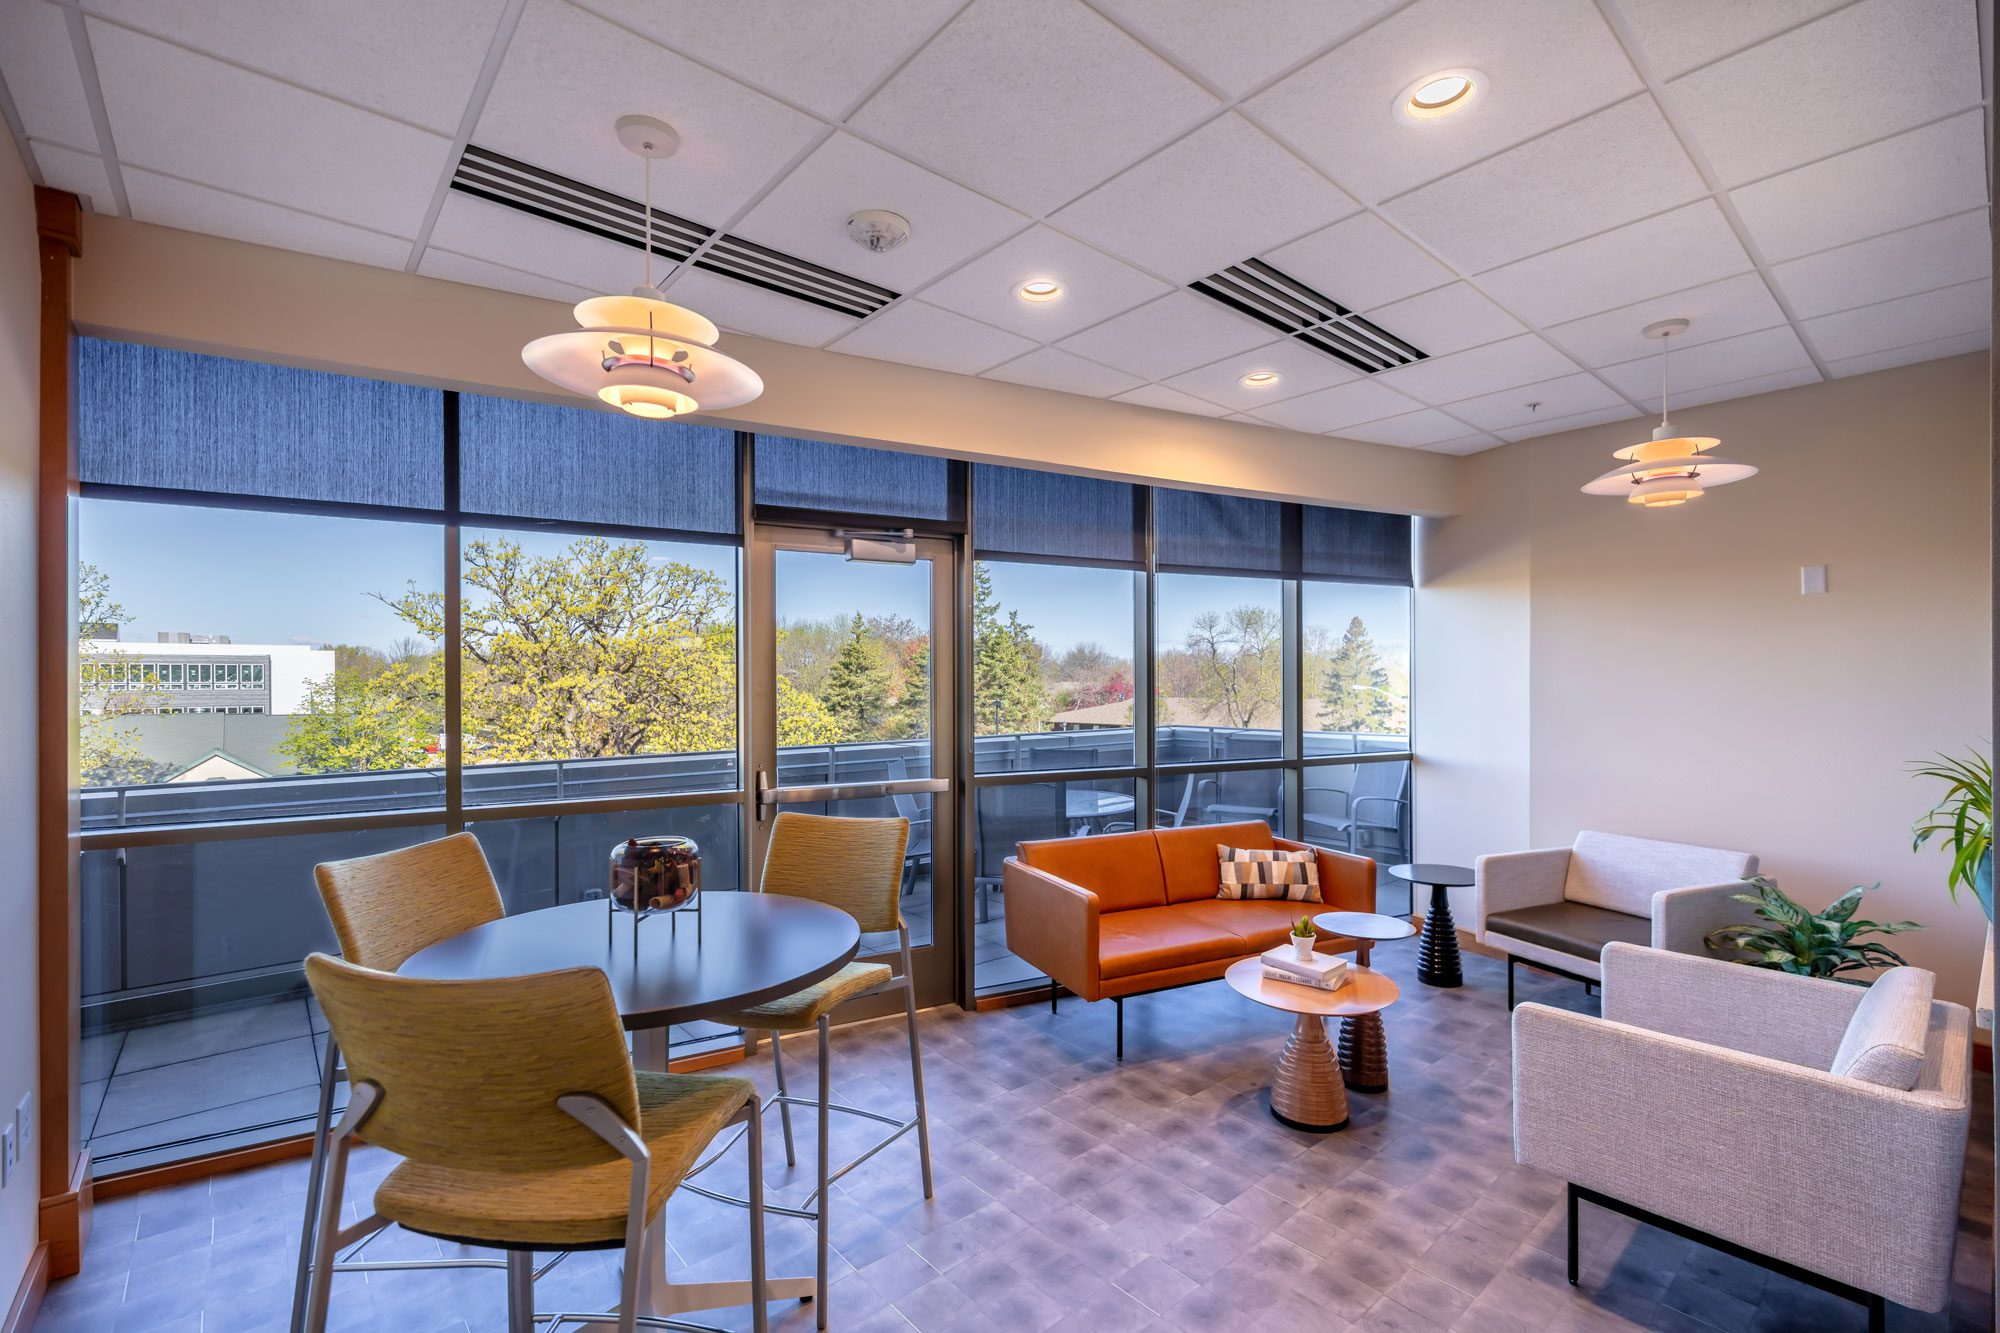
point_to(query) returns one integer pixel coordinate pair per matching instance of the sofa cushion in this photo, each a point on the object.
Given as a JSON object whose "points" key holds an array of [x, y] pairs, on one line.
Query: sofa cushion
{"points": [[1622, 874], [1122, 869], [1884, 1042], [1252, 872], [1154, 939], [1188, 855], [1257, 925], [1572, 928]]}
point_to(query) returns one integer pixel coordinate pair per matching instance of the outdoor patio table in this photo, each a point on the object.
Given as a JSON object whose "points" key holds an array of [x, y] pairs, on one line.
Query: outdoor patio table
{"points": [[758, 947]]}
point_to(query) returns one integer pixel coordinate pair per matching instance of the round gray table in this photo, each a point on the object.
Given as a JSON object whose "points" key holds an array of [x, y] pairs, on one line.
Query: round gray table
{"points": [[1085, 805], [1364, 1046], [766, 945]]}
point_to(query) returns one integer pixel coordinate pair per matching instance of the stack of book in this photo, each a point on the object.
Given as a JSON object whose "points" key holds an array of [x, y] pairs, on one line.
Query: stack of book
{"points": [[1324, 971]]}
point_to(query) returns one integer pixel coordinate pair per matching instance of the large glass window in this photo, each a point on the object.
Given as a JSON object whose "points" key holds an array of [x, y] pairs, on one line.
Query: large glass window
{"points": [[1356, 673], [1220, 668], [1052, 679]]}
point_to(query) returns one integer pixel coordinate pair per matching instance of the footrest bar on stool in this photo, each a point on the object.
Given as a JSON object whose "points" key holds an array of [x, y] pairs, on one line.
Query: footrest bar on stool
{"points": [[556, 1321], [809, 1210]]}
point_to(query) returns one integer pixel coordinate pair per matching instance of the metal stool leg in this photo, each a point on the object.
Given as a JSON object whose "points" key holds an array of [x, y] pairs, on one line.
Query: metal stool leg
{"points": [[917, 1080], [784, 1107], [825, 1121], [520, 1291], [314, 1180]]}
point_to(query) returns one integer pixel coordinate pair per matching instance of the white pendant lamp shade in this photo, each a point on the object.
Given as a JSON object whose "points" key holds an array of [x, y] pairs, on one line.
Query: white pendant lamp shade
{"points": [[1668, 469], [640, 354]]}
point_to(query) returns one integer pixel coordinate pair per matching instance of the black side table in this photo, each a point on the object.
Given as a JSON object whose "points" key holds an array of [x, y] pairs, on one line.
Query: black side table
{"points": [[1437, 953]]}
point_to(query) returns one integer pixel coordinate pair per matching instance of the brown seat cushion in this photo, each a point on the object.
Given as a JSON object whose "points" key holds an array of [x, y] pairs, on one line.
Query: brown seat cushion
{"points": [[1571, 928], [1154, 939], [1122, 869], [1189, 859], [1256, 924]]}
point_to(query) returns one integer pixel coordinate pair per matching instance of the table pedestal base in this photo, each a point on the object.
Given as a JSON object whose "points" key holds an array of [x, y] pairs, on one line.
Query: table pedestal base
{"points": [[1364, 1053], [1307, 1092], [1437, 954]]}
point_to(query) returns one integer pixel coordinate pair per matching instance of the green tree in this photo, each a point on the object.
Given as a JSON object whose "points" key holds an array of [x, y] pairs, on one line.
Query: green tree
{"points": [[857, 686], [365, 722], [1238, 665], [108, 750], [1356, 684], [1007, 690], [910, 716]]}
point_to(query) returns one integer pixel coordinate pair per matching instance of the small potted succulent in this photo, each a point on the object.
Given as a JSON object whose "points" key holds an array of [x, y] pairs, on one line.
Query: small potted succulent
{"points": [[1303, 939], [1964, 818]]}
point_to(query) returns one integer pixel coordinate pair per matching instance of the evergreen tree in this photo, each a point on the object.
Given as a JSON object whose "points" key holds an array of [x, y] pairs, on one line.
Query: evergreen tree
{"points": [[1356, 686], [911, 716], [857, 686], [1007, 690]]}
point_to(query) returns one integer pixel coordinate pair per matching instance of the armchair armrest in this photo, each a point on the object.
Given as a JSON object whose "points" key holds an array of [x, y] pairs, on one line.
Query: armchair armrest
{"points": [[1702, 1135], [1504, 881], [1346, 881], [1799, 1020], [1052, 924], [1682, 918]]}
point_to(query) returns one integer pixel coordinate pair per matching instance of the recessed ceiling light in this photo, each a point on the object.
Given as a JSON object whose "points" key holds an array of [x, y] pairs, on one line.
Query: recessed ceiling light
{"points": [[1260, 379], [1040, 289], [1438, 94]]}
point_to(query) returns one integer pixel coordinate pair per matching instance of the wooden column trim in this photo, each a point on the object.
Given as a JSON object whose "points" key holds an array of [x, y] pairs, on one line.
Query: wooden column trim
{"points": [[62, 1160]]}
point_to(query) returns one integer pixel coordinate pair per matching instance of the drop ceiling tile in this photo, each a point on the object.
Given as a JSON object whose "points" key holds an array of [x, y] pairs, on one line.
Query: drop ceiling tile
{"points": [[1553, 399], [500, 235], [1909, 356], [1534, 429], [1224, 194], [1742, 304], [1469, 444], [1666, 253], [82, 174], [1339, 407], [820, 57], [451, 267], [1169, 400], [916, 334], [1916, 259], [1411, 430], [1095, 286], [806, 214], [742, 308], [1547, 63], [1449, 319], [1502, 365], [1299, 368], [1867, 71], [1285, 32], [1915, 177], [569, 76], [416, 62], [1053, 368], [1165, 337], [1032, 101], [177, 203], [1925, 317], [1614, 167], [1678, 35], [39, 66], [1361, 263], [1751, 354], [185, 115], [1737, 388]]}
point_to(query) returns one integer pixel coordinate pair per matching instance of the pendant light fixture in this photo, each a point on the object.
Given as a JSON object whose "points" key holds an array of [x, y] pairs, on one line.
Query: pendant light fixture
{"points": [[640, 354], [1669, 469]]}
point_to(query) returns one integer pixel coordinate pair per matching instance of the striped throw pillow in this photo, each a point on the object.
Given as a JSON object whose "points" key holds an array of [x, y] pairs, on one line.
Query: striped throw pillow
{"points": [[1248, 872]]}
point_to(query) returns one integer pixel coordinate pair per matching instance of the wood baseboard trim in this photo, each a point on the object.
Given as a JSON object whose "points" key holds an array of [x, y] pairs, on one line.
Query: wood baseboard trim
{"points": [[28, 1299], [1038, 993], [65, 1220]]}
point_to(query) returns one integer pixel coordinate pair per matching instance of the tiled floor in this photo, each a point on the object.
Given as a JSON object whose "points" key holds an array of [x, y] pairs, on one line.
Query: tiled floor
{"points": [[1076, 1193]]}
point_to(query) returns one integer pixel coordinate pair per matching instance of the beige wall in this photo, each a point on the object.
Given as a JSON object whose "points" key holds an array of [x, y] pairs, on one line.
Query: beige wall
{"points": [[20, 302], [158, 285], [1680, 686]]}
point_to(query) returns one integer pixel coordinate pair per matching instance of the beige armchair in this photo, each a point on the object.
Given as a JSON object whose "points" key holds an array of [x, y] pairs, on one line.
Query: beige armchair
{"points": [[1557, 908], [1706, 1086]]}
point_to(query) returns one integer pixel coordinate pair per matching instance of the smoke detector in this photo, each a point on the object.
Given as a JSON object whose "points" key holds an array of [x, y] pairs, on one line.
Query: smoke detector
{"points": [[878, 230]]}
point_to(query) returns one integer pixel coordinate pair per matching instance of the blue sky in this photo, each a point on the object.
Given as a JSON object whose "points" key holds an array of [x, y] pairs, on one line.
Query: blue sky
{"points": [[285, 578]]}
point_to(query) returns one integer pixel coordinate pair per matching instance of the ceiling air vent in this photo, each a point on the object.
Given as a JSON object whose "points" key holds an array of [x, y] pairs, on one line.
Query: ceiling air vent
{"points": [[1271, 296], [503, 180]]}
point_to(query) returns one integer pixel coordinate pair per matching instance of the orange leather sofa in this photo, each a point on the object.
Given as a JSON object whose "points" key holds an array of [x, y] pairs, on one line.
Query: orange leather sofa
{"points": [[1124, 913]]}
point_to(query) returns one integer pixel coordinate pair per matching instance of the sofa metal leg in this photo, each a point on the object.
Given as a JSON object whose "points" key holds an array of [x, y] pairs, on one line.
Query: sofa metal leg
{"points": [[1120, 1006], [1510, 983], [1572, 1235], [1053, 988], [1878, 1314]]}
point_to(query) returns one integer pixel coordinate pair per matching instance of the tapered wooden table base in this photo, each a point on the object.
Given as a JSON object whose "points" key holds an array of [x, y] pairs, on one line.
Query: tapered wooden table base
{"points": [[1308, 1092], [1364, 1053]]}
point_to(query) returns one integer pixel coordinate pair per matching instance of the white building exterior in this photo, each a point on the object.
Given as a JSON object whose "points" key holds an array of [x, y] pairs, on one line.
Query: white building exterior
{"points": [[202, 677]]}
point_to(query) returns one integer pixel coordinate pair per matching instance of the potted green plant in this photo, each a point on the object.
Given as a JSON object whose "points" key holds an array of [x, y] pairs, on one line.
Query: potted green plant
{"points": [[1964, 819], [1808, 943], [1303, 939]]}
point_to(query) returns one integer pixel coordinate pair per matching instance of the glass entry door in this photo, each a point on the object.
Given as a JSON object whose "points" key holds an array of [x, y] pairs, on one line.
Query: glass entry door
{"points": [[850, 699]]}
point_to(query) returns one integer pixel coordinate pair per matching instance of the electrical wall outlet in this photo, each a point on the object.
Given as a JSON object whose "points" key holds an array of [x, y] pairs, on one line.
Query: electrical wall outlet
{"points": [[10, 1154]]}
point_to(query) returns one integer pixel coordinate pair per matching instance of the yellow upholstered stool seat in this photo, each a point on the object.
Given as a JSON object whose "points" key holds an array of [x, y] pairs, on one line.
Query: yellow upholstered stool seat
{"points": [[802, 1009], [572, 1207]]}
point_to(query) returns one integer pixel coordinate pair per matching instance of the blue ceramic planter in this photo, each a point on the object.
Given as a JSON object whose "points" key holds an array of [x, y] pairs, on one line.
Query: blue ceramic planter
{"points": [[1982, 884]]}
